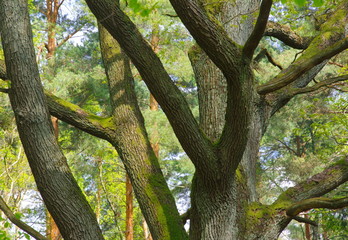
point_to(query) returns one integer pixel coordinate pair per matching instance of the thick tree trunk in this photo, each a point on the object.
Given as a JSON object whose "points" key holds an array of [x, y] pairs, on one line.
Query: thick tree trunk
{"points": [[54, 180], [218, 211]]}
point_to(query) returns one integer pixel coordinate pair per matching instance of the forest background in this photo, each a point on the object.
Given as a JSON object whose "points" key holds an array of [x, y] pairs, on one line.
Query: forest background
{"points": [[301, 140]]}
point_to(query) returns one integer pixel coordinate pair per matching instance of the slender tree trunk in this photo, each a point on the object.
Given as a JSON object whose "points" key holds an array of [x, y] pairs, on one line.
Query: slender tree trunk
{"points": [[307, 229], [129, 209]]}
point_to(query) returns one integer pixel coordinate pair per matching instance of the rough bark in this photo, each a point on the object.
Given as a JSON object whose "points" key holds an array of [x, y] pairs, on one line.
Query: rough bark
{"points": [[53, 177], [131, 142]]}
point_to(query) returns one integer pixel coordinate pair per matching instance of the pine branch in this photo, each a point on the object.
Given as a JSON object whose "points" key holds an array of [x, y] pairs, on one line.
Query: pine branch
{"points": [[69, 36]]}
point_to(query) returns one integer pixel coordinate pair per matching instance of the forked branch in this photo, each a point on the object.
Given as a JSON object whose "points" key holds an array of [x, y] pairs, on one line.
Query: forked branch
{"points": [[302, 65], [157, 79]]}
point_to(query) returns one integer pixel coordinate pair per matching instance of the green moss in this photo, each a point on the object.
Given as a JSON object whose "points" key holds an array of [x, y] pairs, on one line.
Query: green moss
{"points": [[258, 213], [165, 210], [213, 6], [101, 121]]}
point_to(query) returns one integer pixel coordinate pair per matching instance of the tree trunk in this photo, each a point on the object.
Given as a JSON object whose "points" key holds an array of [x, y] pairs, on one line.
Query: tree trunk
{"points": [[129, 209], [222, 204], [131, 142], [54, 180], [52, 228]]}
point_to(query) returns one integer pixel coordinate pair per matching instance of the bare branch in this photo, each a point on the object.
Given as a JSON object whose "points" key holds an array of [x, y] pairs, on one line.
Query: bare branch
{"points": [[185, 216], [60, 4], [305, 220], [311, 203], [319, 85], [264, 53], [4, 90], [259, 29], [286, 35], [69, 36], [22, 225]]}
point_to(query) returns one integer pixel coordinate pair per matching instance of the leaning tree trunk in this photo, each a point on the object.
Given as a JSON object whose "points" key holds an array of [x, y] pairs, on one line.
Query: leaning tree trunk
{"points": [[54, 179]]}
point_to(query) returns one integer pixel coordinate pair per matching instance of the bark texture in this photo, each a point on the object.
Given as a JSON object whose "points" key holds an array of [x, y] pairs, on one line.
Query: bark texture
{"points": [[131, 142], [58, 188]]}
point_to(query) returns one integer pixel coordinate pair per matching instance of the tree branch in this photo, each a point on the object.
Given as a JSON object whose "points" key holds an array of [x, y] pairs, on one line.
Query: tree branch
{"points": [[330, 41], [80, 118], [286, 35], [227, 56], [265, 53], [210, 36], [259, 29], [22, 225], [319, 202], [319, 85], [4, 90], [69, 36], [185, 216], [302, 65], [305, 220], [157, 79], [317, 185], [60, 4], [72, 114]]}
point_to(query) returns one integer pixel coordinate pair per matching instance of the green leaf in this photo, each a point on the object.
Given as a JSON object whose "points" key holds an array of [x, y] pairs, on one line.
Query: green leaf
{"points": [[318, 3], [301, 3], [7, 224]]}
